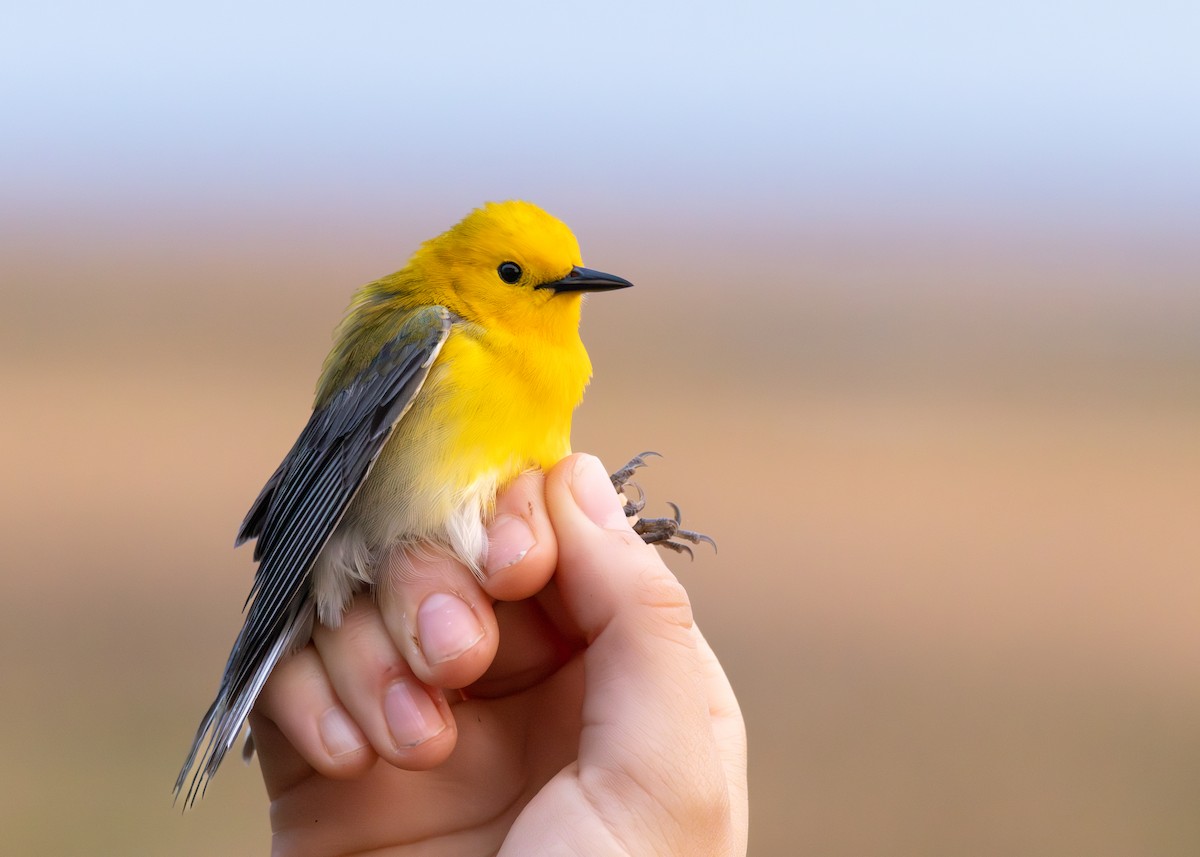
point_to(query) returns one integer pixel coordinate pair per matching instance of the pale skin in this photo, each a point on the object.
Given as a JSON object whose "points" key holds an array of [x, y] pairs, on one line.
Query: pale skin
{"points": [[592, 719]]}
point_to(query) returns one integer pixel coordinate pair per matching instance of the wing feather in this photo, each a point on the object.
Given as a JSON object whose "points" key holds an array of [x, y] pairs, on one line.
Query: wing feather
{"points": [[295, 514]]}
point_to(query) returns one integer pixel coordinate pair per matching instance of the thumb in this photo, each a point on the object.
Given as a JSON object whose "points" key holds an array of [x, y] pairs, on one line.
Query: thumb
{"points": [[605, 570], [645, 708]]}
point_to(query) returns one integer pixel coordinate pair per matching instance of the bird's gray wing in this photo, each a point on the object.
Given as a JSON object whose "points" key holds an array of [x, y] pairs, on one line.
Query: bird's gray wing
{"points": [[294, 516]]}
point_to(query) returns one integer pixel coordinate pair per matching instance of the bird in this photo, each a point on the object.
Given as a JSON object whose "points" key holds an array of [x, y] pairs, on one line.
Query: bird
{"points": [[447, 379]]}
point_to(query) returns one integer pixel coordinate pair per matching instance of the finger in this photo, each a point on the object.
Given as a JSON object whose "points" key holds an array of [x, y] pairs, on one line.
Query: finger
{"points": [[408, 724], [298, 707], [532, 650], [437, 616], [522, 548], [648, 736]]}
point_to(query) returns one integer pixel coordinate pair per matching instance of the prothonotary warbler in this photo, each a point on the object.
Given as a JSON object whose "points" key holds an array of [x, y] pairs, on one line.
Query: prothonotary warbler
{"points": [[447, 380]]}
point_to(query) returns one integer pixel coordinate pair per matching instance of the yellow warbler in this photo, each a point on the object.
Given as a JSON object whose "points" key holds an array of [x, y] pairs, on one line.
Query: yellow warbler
{"points": [[447, 380]]}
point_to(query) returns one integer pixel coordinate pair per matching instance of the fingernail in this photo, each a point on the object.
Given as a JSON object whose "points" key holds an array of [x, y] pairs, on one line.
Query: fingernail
{"points": [[509, 539], [339, 734], [446, 627], [411, 715], [594, 493]]}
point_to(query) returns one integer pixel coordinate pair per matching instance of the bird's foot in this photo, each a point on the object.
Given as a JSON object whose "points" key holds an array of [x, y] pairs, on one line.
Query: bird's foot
{"points": [[664, 532]]}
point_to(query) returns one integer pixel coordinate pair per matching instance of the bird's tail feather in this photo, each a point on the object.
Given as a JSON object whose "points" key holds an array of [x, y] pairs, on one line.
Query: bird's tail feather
{"points": [[223, 721]]}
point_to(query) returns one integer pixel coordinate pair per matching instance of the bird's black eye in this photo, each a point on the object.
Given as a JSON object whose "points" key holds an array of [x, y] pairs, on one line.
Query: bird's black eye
{"points": [[510, 272]]}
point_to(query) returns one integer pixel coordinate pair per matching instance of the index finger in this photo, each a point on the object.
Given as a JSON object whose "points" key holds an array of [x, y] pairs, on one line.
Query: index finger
{"points": [[522, 547]]}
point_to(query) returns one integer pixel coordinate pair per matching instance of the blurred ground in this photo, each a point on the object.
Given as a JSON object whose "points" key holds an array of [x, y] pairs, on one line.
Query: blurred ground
{"points": [[955, 487]]}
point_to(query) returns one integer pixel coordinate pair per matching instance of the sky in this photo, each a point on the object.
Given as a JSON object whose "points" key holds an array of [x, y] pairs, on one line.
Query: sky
{"points": [[1082, 109]]}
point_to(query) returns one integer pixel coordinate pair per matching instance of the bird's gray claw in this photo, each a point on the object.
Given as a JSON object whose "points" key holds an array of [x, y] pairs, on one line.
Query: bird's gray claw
{"points": [[621, 476], [664, 532], [633, 507]]}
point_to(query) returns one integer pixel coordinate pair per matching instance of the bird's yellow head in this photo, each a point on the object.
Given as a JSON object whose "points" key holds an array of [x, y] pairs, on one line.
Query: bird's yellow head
{"points": [[506, 265]]}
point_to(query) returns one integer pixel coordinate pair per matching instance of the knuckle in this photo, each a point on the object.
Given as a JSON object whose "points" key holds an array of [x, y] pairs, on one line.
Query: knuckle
{"points": [[660, 590]]}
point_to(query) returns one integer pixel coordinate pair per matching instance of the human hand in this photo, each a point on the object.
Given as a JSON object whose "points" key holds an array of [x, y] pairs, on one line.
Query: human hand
{"points": [[593, 717]]}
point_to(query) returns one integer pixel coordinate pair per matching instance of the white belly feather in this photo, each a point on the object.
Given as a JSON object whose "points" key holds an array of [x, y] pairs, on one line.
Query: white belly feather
{"points": [[352, 556]]}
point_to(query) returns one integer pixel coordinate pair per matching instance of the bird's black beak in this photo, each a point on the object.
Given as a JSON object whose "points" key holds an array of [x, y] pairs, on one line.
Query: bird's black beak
{"points": [[587, 280]]}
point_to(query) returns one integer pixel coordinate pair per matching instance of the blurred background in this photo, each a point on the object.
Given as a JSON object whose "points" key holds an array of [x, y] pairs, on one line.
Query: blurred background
{"points": [[917, 326]]}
